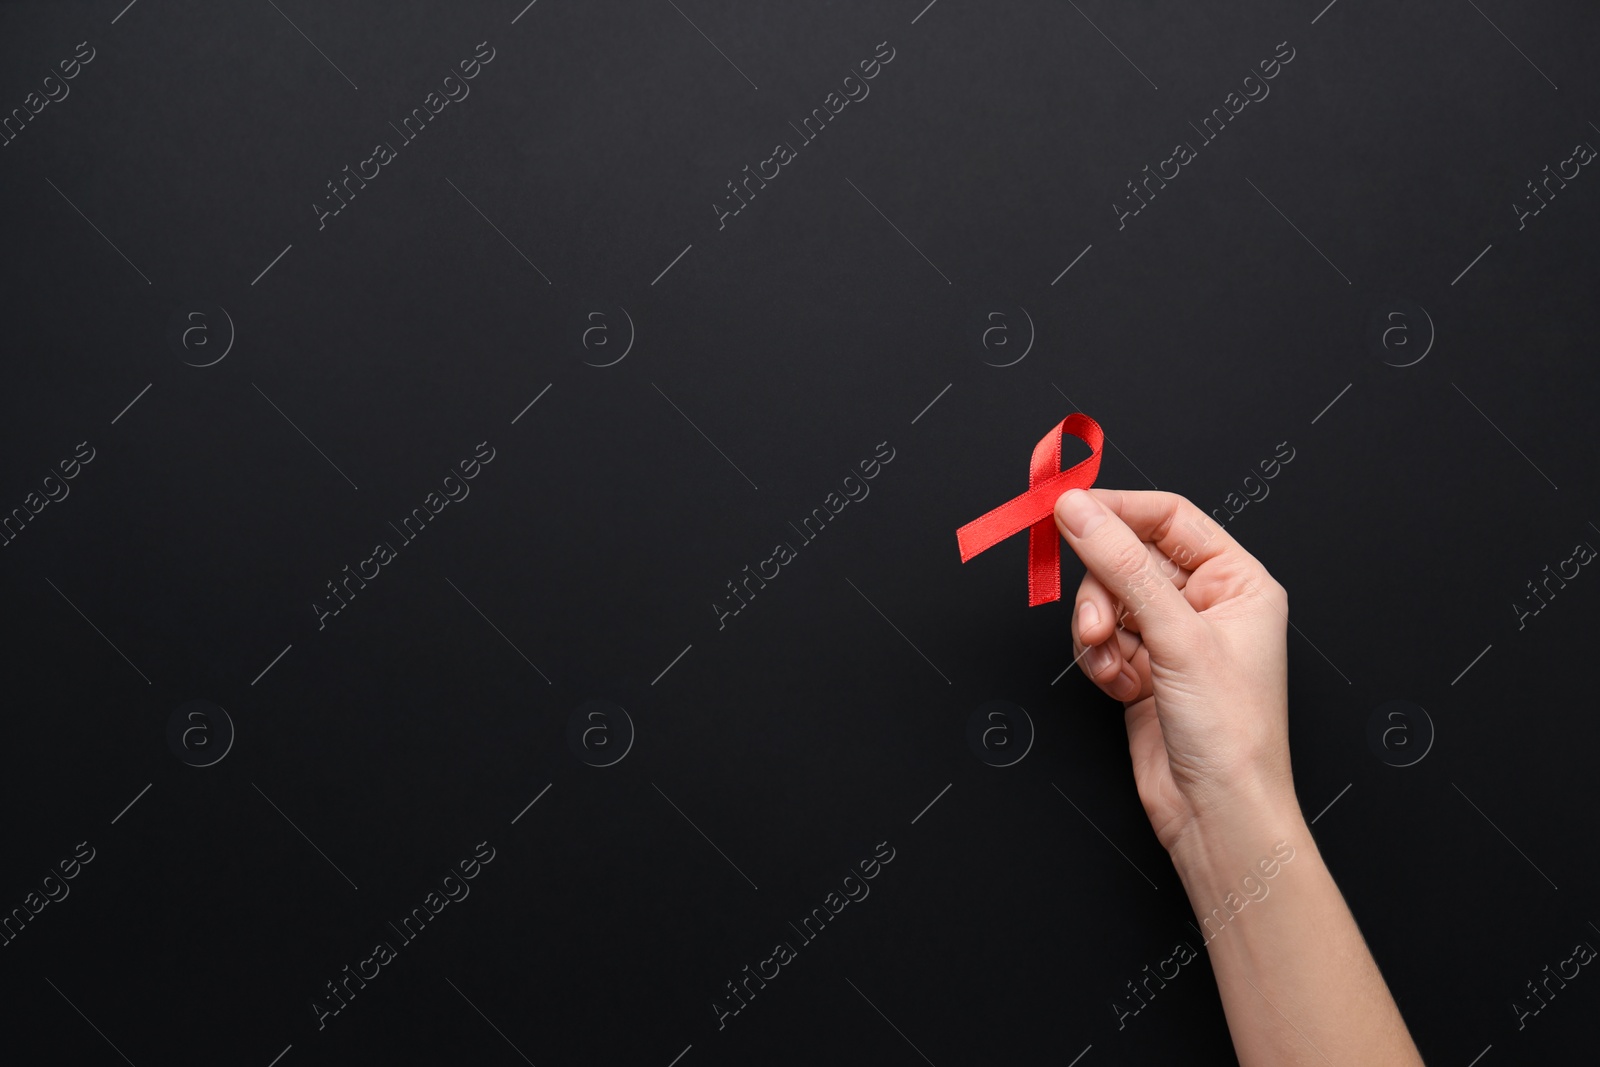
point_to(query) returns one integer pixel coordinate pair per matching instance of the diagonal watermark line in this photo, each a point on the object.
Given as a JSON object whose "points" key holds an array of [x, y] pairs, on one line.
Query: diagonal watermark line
{"points": [[1080, 1056], [101, 632], [1502, 833], [1342, 792], [524, 11], [90, 1021], [1323, 12], [1474, 262], [132, 402], [1332, 402], [1513, 44], [1469, 666], [702, 433], [280, 1056], [532, 402], [99, 231], [302, 833], [924, 11], [1124, 455], [680, 1055], [1313, 644], [931, 803], [890, 1021], [490, 1021], [1301, 232], [1102, 833], [1071, 665], [671, 665], [313, 44], [1074, 263], [302, 433], [899, 231], [1288, 1020], [1113, 44], [713, 44], [899, 631], [674, 263], [131, 803], [932, 402], [501, 232], [121, 13], [702, 833], [1502, 433], [1109, 441], [501, 632], [274, 263], [271, 665], [1479, 1056], [531, 803]]}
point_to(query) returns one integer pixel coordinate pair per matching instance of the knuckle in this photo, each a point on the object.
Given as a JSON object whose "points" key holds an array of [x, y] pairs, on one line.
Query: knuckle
{"points": [[1171, 506], [1127, 560]]}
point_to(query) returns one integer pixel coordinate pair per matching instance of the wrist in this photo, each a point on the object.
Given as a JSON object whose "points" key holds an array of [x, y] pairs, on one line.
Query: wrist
{"points": [[1248, 833]]}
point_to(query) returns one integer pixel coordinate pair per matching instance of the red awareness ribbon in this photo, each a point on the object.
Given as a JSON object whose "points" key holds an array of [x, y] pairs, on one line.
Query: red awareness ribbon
{"points": [[1034, 509]]}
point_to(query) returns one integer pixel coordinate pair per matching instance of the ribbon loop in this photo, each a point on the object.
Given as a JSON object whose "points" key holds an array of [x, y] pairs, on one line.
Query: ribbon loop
{"points": [[1033, 510]]}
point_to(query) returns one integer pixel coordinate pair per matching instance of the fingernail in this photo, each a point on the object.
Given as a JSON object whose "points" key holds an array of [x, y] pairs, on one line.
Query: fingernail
{"points": [[1079, 512], [1127, 683], [1098, 659], [1088, 616]]}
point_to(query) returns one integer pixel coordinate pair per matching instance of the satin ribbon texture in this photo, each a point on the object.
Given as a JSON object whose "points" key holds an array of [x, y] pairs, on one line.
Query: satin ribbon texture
{"points": [[1034, 509]]}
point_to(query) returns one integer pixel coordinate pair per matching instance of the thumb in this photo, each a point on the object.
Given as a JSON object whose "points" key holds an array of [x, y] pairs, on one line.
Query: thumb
{"points": [[1114, 554]]}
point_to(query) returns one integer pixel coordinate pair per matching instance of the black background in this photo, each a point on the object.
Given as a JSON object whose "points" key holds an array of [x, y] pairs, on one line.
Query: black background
{"points": [[1203, 334]]}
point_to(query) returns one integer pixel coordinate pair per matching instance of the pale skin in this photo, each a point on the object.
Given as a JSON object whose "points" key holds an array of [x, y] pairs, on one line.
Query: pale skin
{"points": [[1188, 630]]}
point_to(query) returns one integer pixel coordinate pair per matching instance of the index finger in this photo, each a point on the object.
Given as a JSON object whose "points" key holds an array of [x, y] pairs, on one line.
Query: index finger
{"points": [[1187, 535], [1120, 559]]}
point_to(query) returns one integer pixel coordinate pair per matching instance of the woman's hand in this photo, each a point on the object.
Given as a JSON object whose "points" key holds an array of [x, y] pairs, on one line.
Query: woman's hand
{"points": [[1176, 620], [1187, 629]]}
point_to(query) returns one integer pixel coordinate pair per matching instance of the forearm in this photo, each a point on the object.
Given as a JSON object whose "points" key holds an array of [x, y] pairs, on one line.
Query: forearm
{"points": [[1298, 983]]}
